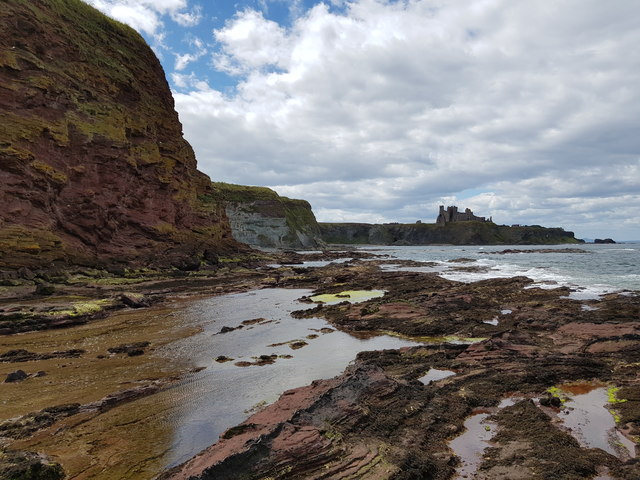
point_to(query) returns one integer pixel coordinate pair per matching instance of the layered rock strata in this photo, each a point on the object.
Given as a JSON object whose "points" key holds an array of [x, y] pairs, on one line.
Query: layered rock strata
{"points": [[262, 218], [93, 165]]}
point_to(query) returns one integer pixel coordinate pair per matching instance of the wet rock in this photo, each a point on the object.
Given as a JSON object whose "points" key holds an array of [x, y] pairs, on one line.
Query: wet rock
{"points": [[253, 321], [307, 431], [16, 376], [131, 349], [30, 423], [529, 435], [297, 345], [226, 329], [16, 465], [257, 361], [551, 401], [21, 355], [238, 430], [134, 300], [117, 270], [188, 264], [265, 360], [123, 396], [45, 289], [223, 359], [26, 273]]}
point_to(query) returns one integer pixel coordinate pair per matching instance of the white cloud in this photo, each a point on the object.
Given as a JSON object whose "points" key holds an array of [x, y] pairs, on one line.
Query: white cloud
{"points": [[249, 42], [146, 15], [190, 81], [184, 59], [188, 19]]}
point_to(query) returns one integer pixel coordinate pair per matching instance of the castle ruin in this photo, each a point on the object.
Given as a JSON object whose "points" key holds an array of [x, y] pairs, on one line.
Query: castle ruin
{"points": [[451, 214]]}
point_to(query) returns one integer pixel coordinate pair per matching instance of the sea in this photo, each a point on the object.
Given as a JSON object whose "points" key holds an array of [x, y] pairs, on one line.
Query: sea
{"points": [[589, 270]]}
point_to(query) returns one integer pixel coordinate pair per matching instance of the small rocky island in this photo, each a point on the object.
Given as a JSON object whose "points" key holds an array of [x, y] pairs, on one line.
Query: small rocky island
{"points": [[112, 243]]}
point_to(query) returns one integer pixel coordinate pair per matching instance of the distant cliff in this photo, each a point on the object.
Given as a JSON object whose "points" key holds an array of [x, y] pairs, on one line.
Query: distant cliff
{"points": [[260, 217], [455, 233], [93, 165]]}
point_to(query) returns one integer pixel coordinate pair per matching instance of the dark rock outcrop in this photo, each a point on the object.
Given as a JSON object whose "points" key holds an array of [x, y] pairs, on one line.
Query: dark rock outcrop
{"points": [[604, 240], [93, 165], [308, 434], [21, 355], [16, 376], [454, 233], [29, 466]]}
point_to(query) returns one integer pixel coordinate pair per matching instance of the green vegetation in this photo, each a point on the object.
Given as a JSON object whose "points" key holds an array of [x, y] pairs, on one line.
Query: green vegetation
{"points": [[20, 246], [612, 395], [558, 393], [48, 170], [230, 192], [453, 339], [613, 399], [351, 296]]}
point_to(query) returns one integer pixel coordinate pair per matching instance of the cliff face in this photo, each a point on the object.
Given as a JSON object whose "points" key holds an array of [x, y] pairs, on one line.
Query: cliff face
{"points": [[93, 165], [457, 233], [260, 217]]}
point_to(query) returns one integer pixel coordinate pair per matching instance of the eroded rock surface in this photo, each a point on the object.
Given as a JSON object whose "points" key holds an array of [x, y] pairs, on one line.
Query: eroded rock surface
{"points": [[378, 421], [93, 165]]}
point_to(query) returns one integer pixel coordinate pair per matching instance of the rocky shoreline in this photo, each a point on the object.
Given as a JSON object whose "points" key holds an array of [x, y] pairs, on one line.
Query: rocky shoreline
{"points": [[501, 338]]}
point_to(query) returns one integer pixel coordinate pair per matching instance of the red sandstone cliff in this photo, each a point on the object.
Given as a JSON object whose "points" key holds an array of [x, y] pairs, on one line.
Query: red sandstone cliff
{"points": [[93, 165]]}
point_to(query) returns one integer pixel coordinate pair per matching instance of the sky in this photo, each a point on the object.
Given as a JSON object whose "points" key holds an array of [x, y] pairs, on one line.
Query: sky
{"points": [[382, 110]]}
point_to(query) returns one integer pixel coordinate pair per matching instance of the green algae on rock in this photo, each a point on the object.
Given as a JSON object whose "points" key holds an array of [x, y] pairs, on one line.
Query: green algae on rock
{"points": [[351, 296]]}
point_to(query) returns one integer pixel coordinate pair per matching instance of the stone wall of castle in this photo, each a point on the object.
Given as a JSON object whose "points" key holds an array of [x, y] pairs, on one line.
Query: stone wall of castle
{"points": [[451, 214]]}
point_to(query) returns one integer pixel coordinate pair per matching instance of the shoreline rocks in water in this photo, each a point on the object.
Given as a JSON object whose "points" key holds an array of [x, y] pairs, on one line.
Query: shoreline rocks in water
{"points": [[605, 241], [358, 420], [378, 418]]}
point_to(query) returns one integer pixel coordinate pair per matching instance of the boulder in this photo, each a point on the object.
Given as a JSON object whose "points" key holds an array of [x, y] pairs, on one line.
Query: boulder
{"points": [[16, 376]]}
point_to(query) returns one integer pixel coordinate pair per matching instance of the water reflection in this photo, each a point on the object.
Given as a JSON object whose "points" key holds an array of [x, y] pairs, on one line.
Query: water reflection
{"points": [[222, 394], [469, 446], [592, 424], [435, 374]]}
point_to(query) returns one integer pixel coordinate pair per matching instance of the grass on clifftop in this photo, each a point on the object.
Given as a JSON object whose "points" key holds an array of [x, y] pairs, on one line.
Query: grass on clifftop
{"points": [[243, 193]]}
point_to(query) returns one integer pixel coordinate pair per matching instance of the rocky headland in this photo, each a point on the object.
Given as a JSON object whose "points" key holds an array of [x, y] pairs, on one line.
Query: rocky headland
{"points": [[93, 165], [455, 233], [261, 218]]}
